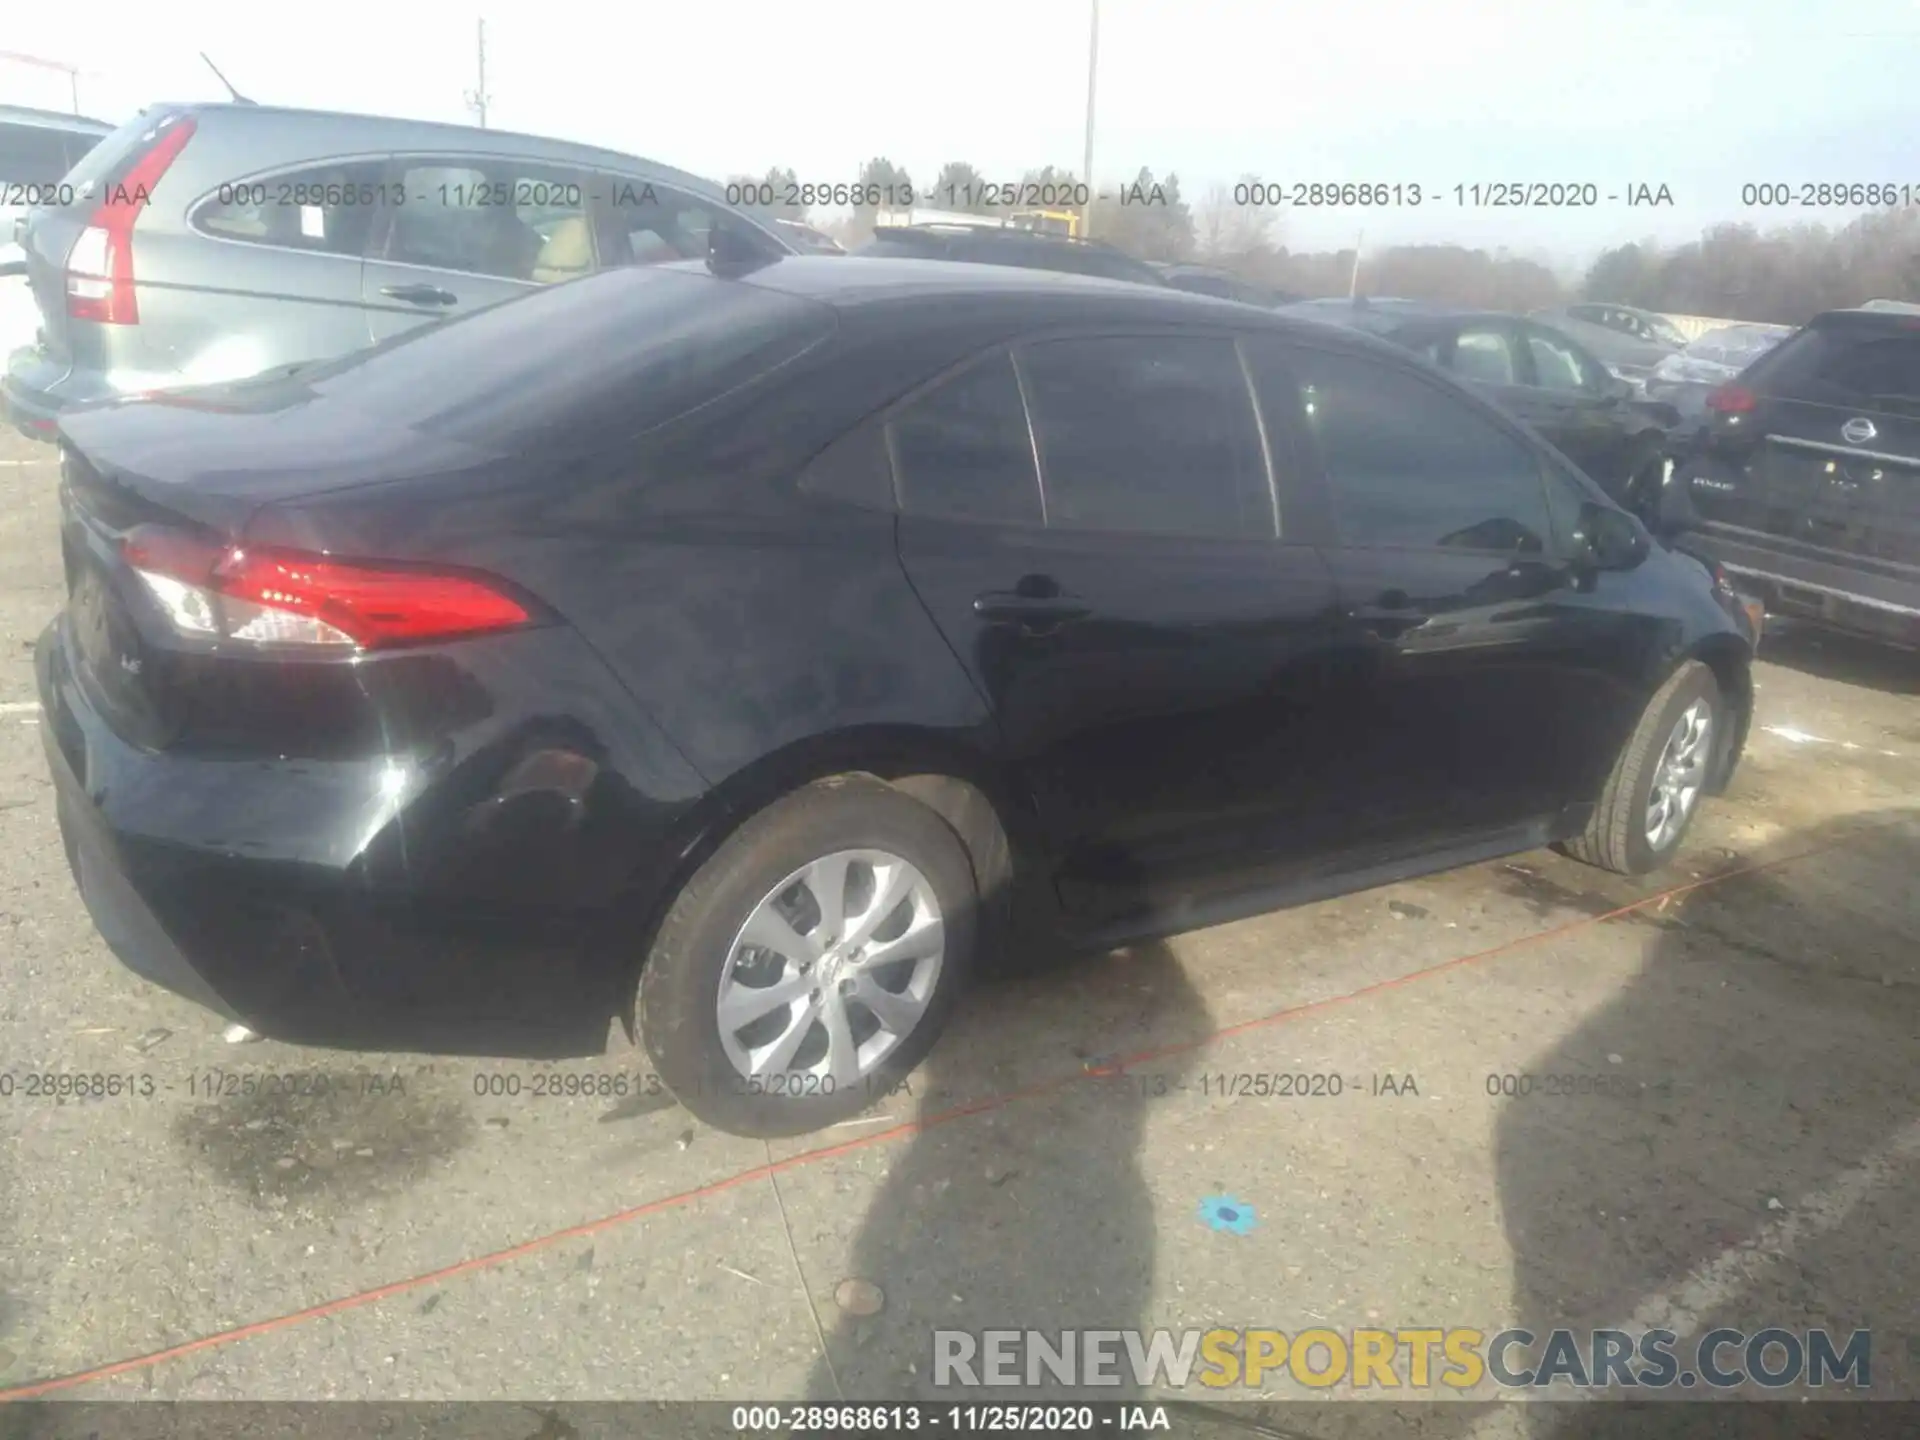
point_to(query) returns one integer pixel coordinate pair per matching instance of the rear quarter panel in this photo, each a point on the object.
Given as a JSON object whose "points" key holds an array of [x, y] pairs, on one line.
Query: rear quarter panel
{"points": [[767, 629]]}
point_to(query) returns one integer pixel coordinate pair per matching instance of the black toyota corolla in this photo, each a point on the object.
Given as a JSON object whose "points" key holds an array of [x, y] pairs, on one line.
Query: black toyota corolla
{"points": [[754, 655]]}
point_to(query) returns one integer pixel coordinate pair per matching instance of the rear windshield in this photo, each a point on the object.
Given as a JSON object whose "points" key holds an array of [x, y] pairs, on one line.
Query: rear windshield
{"points": [[1864, 369], [600, 358], [115, 154]]}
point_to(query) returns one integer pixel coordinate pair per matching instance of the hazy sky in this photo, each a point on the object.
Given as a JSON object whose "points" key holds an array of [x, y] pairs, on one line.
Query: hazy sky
{"points": [[1700, 95]]}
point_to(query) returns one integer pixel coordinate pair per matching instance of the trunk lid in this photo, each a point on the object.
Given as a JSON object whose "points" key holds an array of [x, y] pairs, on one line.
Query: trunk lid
{"points": [[215, 455]]}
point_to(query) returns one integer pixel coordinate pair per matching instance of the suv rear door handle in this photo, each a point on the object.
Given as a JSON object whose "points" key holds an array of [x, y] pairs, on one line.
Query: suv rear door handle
{"points": [[1010, 606], [420, 294]]}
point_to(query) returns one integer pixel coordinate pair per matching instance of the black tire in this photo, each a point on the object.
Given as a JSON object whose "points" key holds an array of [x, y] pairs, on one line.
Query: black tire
{"points": [[676, 1016], [1616, 837]]}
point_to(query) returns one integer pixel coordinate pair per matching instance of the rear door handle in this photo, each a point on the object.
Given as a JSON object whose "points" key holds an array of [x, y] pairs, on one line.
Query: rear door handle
{"points": [[420, 294], [1010, 606]]}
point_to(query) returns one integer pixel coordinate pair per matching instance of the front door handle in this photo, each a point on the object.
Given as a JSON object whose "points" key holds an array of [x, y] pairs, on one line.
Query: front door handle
{"points": [[1012, 607], [420, 294]]}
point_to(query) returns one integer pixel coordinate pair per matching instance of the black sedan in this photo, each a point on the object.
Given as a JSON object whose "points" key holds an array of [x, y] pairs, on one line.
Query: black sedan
{"points": [[751, 653], [1539, 373]]}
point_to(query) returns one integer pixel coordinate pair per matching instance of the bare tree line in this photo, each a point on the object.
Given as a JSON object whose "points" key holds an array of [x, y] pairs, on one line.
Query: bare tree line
{"points": [[1784, 275]]}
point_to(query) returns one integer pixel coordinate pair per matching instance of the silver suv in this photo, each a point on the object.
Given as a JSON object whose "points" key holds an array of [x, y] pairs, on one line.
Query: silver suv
{"points": [[204, 243]]}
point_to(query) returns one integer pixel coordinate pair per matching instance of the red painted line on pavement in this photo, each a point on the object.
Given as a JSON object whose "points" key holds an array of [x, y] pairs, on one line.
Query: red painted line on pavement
{"points": [[988, 1104]]}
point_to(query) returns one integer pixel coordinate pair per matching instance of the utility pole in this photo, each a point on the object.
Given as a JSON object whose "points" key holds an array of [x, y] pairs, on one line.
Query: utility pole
{"points": [[477, 98], [1086, 168], [1353, 280]]}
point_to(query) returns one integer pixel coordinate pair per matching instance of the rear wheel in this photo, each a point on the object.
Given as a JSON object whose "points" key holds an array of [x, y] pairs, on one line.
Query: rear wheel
{"points": [[811, 962], [1655, 788]]}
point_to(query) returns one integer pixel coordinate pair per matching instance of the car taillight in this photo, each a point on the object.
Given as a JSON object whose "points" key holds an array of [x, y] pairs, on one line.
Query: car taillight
{"points": [[286, 597], [100, 265], [1731, 400]]}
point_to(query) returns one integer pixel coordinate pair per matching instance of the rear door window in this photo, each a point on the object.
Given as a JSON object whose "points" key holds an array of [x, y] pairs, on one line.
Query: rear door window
{"points": [[1485, 353], [1559, 366], [327, 208], [505, 218], [1153, 434]]}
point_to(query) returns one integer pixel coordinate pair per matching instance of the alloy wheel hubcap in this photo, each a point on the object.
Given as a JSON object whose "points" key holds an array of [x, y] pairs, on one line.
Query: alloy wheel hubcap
{"points": [[832, 970], [1680, 774]]}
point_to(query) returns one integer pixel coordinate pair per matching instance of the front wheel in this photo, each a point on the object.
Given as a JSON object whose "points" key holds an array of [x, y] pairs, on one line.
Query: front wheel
{"points": [[1651, 796], [811, 962]]}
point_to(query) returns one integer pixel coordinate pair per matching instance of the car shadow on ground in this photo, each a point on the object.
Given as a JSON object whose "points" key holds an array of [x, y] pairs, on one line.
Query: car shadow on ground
{"points": [[1034, 1217], [1734, 1141], [1742, 1144], [1848, 659]]}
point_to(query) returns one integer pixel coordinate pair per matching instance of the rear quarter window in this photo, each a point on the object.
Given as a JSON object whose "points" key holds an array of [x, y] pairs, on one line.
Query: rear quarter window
{"points": [[327, 208]]}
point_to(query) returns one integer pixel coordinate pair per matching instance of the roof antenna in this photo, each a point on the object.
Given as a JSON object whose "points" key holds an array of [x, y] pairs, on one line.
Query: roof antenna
{"points": [[238, 98]]}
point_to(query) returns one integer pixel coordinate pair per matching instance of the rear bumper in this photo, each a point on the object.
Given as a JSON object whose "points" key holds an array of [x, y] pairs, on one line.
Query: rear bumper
{"points": [[1827, 592], [266, 891]]}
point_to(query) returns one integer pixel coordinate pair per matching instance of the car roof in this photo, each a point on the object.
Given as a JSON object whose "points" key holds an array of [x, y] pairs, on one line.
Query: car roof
{"points": [[1869, 318], [884, 277], [348, 130], [1383, 314], [1610, 305], [1003, 235], [53, 120], [1033, 295]]}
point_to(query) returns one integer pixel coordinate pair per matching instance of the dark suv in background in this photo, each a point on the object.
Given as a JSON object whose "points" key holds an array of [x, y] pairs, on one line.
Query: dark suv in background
{"points": [[206, 243], [1804, 483]]}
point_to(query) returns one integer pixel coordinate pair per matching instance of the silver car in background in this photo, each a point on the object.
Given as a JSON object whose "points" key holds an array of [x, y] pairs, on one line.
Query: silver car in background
{"points": [[1629, 357], [1686, 379]]}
